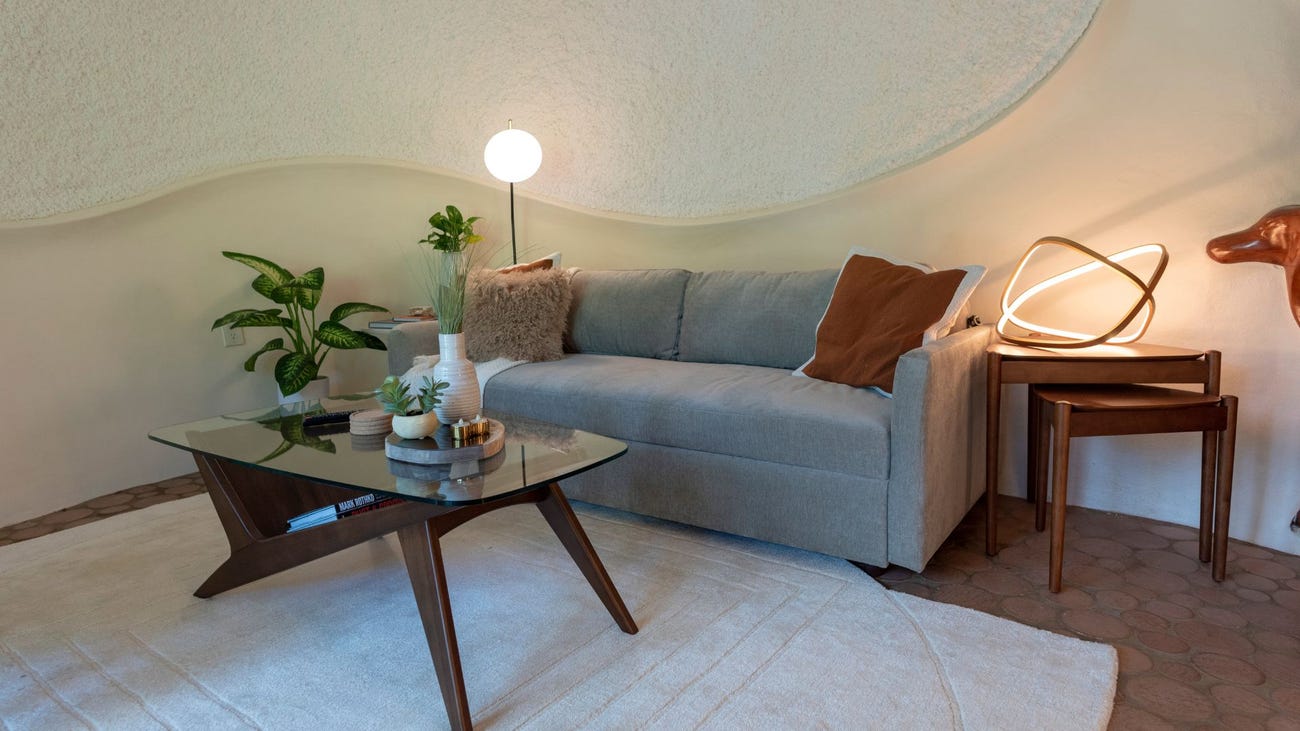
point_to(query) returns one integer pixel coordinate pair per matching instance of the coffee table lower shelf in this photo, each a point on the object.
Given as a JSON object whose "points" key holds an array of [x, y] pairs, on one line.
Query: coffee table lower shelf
{"points": [[253, 505]]}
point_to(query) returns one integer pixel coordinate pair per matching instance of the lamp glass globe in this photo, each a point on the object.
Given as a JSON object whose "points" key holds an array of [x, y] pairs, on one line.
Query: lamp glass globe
{"points": [[512, 155]]}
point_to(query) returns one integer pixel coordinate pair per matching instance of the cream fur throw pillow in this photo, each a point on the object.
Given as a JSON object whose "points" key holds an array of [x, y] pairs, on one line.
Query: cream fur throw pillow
{"points": [[516, 315]]}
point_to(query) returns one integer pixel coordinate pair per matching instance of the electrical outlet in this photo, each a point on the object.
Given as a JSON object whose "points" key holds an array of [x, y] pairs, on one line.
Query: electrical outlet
{"points": [[232, 336]]}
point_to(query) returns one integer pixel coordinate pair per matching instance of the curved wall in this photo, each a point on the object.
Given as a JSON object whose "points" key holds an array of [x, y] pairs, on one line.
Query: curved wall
{"points": [[1148, 132], [657, 107]]}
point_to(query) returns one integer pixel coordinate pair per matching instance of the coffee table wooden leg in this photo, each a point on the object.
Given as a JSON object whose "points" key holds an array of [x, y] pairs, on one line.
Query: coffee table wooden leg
{"points": [[253, 553], [555, 508], [423, 557]]}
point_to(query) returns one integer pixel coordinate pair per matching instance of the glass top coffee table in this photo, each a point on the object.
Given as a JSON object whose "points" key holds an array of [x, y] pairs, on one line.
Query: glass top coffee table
{"points": [[264, 467]]}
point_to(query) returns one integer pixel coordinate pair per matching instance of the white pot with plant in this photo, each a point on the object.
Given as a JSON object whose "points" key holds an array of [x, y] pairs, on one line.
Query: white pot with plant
{"points": [[413, 414], [447, 262], [306, 341]]}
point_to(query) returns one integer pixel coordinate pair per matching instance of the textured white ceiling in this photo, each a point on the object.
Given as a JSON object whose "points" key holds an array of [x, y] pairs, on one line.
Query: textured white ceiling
{"points": [[662, 108]]}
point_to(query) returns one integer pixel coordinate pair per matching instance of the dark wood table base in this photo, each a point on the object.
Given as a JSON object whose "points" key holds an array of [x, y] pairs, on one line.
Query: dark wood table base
{"points": [[254, 505]]}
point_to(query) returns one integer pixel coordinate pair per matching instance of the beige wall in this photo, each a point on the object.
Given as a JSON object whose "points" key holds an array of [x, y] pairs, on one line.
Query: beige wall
{"points": [[1150, 131]]}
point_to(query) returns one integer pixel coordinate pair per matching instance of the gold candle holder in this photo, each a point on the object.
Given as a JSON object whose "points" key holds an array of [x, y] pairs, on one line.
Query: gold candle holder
{"points": [[467, 432]]}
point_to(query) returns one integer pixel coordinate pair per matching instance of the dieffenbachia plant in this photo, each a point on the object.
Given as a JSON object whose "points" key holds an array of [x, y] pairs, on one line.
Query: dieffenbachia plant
{"points": [[307, 342]]}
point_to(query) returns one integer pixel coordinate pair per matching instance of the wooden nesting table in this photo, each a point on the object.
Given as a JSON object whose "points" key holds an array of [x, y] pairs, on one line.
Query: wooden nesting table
{"points": [[1100, 364]]}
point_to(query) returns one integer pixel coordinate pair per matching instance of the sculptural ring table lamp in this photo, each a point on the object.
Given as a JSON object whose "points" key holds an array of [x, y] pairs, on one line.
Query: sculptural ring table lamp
{"points": [[1015, 328], [512, 156]]}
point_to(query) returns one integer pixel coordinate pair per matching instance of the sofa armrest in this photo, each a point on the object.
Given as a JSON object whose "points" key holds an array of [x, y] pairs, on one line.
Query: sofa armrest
{"points": [[936, 451], [409, 340]]}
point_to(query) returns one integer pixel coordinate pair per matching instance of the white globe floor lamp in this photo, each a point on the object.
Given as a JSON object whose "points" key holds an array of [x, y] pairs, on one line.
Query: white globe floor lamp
{"points": [[512, 156]]}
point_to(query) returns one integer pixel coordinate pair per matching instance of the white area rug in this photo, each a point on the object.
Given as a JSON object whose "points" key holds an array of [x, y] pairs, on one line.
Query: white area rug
{"points": [[98, 629]]}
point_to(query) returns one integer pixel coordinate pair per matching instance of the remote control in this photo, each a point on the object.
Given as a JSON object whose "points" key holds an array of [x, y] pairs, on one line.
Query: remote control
{"points": [[329, 417]]}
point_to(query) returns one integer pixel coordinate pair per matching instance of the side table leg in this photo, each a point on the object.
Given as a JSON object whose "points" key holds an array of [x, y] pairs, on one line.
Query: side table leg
{"points": [[1043, 445], [1033, 420], [423, 557], [555, 508], [1223, 490], [993, 423], [1209, 455]]}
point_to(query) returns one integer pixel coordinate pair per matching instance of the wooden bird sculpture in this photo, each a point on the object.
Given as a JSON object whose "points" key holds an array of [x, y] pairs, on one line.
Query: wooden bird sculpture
{"points": [[1274, 239]]}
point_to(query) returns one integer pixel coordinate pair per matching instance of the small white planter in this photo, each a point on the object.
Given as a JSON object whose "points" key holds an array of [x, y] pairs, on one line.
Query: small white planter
{"points": [[317, 389], [417, 426]]}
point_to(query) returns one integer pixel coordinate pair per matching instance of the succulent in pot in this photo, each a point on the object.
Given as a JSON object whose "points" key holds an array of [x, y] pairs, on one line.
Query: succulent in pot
{"points": [[413, 415]]}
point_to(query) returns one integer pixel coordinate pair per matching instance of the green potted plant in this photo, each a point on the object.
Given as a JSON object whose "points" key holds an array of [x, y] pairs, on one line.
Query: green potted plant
{"points": [[413, 414], [307, 341], [447, 263]]}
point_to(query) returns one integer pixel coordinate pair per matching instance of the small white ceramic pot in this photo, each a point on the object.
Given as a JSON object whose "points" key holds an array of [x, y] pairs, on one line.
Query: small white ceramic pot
{"points": [[416, 426], [315, 390]]}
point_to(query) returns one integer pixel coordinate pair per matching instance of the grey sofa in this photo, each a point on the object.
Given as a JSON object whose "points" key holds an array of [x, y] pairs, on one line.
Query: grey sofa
{"points": [[693, 371]]}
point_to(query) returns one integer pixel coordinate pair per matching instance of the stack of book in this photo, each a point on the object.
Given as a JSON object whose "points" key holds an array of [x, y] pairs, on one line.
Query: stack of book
{"points": [[391, 323], [330, 513]]}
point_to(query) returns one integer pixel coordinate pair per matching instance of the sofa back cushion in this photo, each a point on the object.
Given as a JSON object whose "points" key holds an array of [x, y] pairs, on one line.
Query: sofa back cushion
{"points": [[753, 318], [632, 312]]}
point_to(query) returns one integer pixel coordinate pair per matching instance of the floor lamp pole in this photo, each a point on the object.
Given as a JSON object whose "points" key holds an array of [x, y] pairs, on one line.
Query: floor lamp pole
{"points": [[514, 254]]}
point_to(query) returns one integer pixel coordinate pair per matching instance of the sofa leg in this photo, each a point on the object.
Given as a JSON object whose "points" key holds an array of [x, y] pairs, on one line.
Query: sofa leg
{"points": [[870, 569]]}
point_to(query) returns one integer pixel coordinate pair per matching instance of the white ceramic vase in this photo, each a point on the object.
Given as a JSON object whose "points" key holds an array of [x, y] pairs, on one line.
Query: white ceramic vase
{"points": [[461, 399], [318, 388], [416, 426]]}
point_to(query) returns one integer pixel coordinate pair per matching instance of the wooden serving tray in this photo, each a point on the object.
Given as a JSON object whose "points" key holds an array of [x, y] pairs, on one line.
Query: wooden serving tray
{"points": [[442, 449]]}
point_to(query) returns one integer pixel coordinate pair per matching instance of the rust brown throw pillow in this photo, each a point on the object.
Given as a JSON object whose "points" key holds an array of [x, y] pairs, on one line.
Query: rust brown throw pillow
{"points": [[528, 266], [878, 311], [518, 315]]}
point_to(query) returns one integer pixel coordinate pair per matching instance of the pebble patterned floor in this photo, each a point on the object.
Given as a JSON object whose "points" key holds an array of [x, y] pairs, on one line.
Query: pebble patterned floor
{"points": [[1193, 654], [132, 498]]}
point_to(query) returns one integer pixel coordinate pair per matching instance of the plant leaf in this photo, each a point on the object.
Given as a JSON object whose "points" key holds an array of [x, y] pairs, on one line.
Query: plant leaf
{"points": [[348, 309], [308, 297], [267, 287], [319, 444], [370, 341], [265, 267], [230, 317], [284, 447], [293, 372], [336, 335], [261, 318], [394, 396], [294, 434], [272, 344], [305, 289], [314, 279]]}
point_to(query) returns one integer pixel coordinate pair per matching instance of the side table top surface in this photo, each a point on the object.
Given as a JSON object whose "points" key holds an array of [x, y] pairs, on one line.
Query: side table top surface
{"points": [[1135, 351]]}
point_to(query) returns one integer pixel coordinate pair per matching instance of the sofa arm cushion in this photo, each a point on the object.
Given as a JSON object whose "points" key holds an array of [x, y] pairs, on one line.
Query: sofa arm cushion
{"points": [[936, 450], [409, 340]]}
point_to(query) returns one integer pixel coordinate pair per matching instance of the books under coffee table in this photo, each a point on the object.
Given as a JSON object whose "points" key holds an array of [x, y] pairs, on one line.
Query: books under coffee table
{"points": [[352, 506], [263, 470]]}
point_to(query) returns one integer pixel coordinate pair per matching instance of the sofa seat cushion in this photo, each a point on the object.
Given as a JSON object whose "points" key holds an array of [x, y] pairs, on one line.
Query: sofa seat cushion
{"points": [[744, 411]]}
